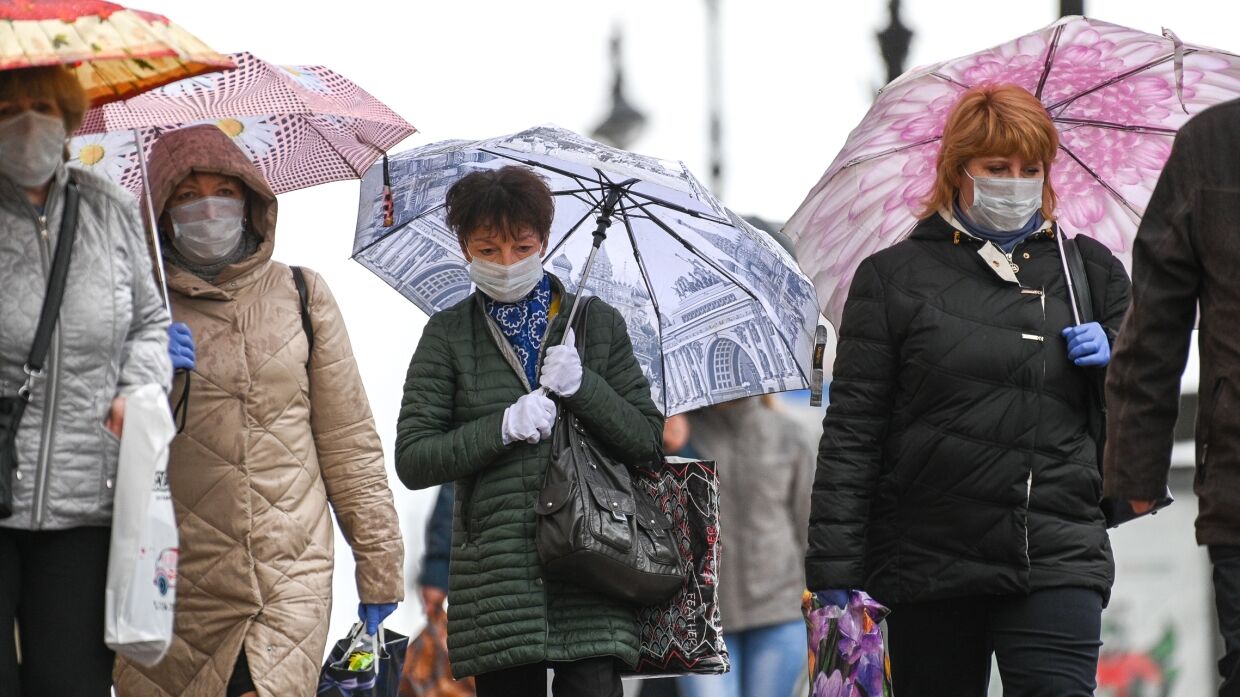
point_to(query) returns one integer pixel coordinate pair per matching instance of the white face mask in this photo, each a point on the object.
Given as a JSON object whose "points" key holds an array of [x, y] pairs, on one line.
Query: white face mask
{"points": [[507, 284], [31, 145], [208, 229], [1004, 204]]}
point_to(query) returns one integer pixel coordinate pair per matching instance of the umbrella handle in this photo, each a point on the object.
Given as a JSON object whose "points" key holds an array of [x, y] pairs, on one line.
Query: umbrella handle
{"points": [[606, 210]]}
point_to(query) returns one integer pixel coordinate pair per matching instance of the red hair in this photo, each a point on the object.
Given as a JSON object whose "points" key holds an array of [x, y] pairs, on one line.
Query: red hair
{"points": [[1004, 120]]}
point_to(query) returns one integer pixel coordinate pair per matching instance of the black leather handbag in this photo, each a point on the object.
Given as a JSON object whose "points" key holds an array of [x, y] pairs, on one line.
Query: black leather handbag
{"points": [[595, 528], [13, 407]]}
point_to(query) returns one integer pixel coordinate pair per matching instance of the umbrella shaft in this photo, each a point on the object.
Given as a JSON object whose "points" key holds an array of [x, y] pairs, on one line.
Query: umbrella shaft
{"points": [[152, 225], [600, 234]]}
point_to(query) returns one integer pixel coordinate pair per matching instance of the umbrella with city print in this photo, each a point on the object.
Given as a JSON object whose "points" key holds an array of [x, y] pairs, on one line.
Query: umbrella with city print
{"points": [[716, 309]]}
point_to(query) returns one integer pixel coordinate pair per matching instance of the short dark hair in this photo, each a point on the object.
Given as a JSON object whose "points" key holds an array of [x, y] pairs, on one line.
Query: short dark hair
{"points": [[505, 200]]}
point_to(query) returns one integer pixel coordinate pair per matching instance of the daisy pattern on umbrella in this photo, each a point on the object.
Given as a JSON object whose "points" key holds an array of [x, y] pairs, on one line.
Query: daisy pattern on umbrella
{"points": [[111, 154], [304, 77], [256, 135]]}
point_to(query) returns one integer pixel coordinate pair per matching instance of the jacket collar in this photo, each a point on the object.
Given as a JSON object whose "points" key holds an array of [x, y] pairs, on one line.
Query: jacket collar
{"points": [[944, 226], [13, 198]]}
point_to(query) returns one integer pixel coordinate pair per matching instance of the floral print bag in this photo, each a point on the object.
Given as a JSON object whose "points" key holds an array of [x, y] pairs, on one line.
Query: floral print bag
{"points": [[847, 653]]}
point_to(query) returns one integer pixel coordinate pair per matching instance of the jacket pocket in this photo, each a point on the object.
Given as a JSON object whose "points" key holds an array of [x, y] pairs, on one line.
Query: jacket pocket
{"points": [[1204, 432], [109, 454]]}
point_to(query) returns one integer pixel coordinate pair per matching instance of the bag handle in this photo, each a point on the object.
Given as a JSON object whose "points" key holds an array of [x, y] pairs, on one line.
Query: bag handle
{"points": [[55, 292]]}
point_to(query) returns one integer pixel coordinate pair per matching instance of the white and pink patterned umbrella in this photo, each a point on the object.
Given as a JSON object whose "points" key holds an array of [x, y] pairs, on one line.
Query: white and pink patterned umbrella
{"points": [[1116, 95], [302, 125]]}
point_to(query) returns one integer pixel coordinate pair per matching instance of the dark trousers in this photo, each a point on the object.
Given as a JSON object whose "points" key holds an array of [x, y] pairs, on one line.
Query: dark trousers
{"points": [[1226, 560], [1046, 644], [52, 584], [593, 677]]}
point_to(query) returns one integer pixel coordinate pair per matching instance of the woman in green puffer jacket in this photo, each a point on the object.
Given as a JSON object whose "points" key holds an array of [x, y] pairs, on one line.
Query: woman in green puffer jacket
{"points": [[473, 413]]}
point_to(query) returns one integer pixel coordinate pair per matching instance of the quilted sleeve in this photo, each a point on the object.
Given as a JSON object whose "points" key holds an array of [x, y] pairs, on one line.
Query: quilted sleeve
{"points": [[430, 449], [851, 450], [351, 455], [615, 405], [144, 359]]}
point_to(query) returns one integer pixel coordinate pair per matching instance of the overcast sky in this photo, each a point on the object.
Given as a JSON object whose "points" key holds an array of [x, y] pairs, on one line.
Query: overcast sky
{"points": [[797, 76]]}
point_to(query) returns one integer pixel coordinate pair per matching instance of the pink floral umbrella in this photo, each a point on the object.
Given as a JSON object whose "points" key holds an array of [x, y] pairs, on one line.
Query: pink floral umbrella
{"points": [[301, 125], [1117, 96]]}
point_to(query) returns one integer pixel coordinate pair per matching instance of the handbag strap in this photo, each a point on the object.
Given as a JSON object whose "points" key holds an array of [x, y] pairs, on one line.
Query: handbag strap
{"points": [[579, 322], [55, 291], [1079, 280], [303, 296]]}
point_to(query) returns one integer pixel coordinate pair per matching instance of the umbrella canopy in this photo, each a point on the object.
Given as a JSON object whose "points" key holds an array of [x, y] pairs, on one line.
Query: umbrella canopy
{"points": [[117, 52], [301, 125], [716, 309], [1116, 95]]}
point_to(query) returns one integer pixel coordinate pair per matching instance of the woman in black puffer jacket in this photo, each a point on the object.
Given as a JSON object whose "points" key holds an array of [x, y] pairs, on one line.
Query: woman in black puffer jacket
{"points": [[958, 479]]}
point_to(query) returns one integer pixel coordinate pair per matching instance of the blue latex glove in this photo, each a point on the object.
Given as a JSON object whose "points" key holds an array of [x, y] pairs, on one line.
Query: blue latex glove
{"points": [[1088, 345], [373, 615], [181, 346]]}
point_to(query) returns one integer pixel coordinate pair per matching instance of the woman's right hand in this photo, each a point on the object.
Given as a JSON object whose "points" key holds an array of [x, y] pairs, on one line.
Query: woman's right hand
{"points": [[530, 419]]}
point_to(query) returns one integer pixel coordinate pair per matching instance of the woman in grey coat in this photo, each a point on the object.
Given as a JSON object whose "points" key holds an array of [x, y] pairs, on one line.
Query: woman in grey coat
{"points": [[110, 338], [766, 468]]}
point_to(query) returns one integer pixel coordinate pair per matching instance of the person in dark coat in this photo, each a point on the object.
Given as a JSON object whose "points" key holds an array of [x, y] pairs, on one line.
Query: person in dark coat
{"points": [[957, 480], [433, 578], [1185, 256]]}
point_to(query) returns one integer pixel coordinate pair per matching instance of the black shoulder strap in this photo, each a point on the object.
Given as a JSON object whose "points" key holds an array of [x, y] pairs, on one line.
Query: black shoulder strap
{"points": [[299, 280], [56, 281], [579, 322], [1079, 279]]}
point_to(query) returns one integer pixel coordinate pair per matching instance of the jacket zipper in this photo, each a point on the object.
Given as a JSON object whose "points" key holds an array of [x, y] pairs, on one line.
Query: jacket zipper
{"points": [[53, 380]]}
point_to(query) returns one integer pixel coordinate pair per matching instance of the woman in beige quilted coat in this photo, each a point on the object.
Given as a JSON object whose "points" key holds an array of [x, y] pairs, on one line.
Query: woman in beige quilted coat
{"points": [[275, 432]]}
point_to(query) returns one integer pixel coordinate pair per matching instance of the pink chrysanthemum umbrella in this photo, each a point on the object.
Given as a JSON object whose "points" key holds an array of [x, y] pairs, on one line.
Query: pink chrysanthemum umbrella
{"points": [[1116, 95], [301, 125]]}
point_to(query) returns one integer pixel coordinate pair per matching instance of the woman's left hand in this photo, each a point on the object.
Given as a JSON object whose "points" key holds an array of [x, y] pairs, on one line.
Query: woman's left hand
{"points": [[1088, 345], [116, 417], [561, 371]]}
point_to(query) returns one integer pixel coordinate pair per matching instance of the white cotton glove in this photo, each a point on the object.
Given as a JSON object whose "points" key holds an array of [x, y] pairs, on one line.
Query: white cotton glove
{"points": [[561, 371], [529, 419]]}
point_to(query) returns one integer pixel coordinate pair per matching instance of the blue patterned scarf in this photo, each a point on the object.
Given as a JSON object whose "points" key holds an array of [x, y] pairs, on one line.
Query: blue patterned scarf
{"points": [[524, 323]]}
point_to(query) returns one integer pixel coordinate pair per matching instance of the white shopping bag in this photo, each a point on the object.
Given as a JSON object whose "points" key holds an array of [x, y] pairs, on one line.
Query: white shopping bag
{"points": [[142, 564]]}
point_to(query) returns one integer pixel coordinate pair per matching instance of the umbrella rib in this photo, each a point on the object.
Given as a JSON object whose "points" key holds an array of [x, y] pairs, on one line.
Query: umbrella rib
{"points": [[723, 272], [658, 315], [862, 160], [541, 165], [576, 226], [397, 228], [1118, 78], [950, 80], [1115, 194], [1050, 60], [1153, 130]]}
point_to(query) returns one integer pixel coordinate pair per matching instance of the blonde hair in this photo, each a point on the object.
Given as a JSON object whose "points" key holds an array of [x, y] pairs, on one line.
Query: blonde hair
{"points": [[54, 82], [1003, 120]]}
